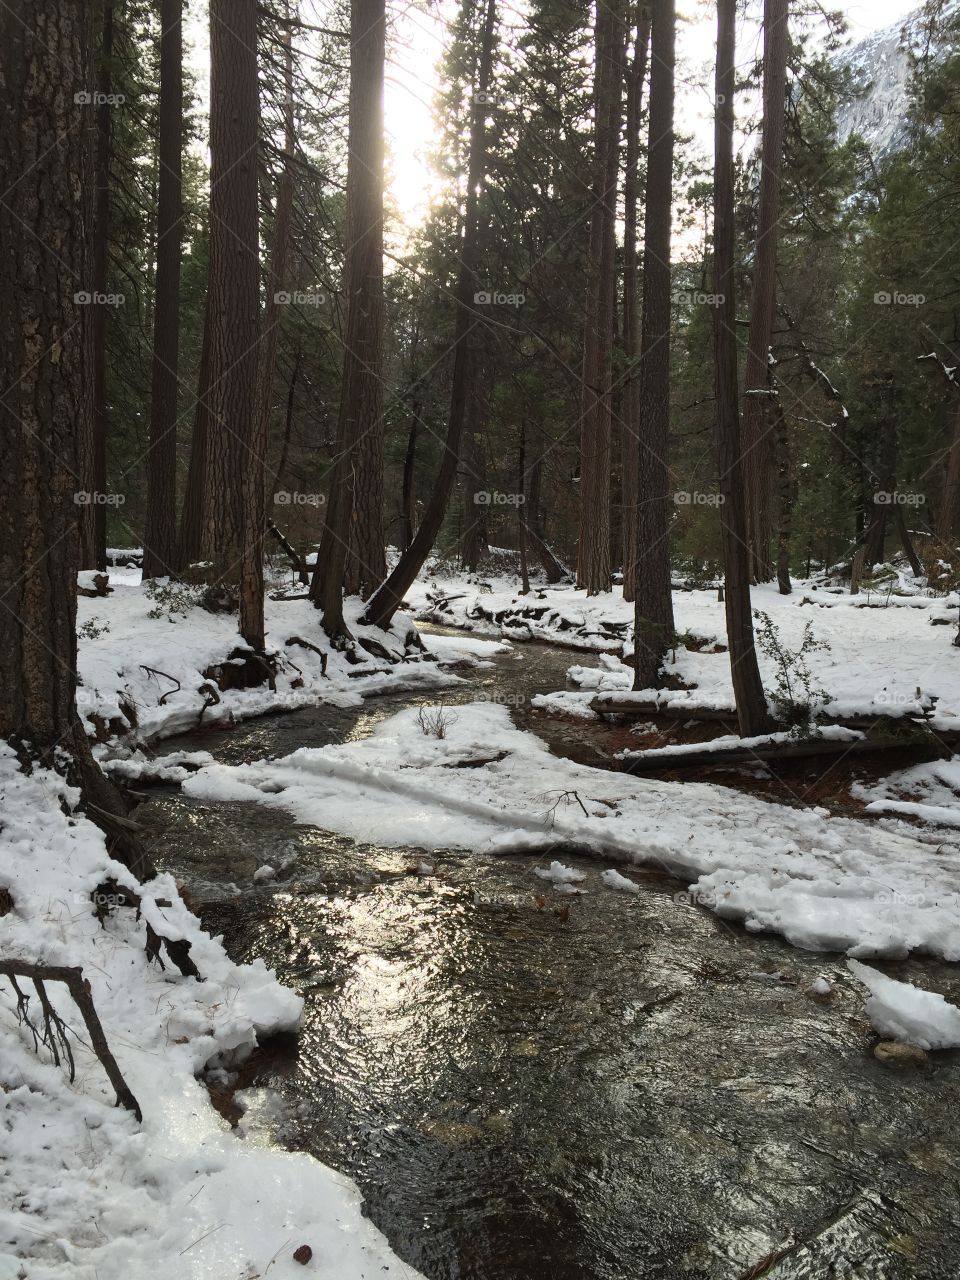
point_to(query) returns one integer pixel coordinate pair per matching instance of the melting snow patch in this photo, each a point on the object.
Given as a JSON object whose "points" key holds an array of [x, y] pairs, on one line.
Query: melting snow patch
{"points": [[907, 1013], [614, 880], [560, 874]]}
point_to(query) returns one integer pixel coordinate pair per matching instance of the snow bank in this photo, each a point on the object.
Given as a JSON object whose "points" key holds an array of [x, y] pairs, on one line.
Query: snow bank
{"points": [[823, 883], [915, 655], [908, 1013], [131, 664], [88, 1193], [930, 792]]}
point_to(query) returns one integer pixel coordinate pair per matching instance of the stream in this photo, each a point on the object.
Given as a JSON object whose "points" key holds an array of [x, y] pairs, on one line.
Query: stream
{"points": [[637, 1090]]}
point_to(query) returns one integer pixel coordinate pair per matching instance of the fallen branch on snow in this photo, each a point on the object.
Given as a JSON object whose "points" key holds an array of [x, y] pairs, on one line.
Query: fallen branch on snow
{"points": [[53, 1031]]}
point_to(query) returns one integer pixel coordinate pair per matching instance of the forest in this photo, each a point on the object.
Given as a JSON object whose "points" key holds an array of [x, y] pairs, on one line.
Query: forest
{"points": [[480, 639]]}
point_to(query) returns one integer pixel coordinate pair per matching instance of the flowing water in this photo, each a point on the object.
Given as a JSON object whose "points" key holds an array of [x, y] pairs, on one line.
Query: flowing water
{"points": [[637, 1090]]}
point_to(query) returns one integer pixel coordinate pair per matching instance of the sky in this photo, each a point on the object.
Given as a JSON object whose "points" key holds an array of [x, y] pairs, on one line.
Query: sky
{"points": [[418, 44]]}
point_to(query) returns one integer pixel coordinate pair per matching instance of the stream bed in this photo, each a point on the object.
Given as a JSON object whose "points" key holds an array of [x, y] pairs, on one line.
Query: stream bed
{"points": [[534, 1087]]}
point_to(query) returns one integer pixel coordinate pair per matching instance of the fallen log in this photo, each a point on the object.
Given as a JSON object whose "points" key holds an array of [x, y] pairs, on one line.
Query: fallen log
{"points": [[623, 706], [705, 756], [290, 551], [306, 644]]}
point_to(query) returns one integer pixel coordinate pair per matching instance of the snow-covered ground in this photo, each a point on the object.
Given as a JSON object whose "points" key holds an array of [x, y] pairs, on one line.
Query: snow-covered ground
{"points": [[86, 1192], [823, 883], [130, 663], [879, 649]]}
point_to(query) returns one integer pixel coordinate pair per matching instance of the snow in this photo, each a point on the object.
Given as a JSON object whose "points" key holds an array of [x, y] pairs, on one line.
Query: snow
{"points": [[903, 1012], [87, 1192], [820, 987], [823, 883], [909, 655], [560, 874], [614, 880], [935, 788], [879, 113], [121, 697]]}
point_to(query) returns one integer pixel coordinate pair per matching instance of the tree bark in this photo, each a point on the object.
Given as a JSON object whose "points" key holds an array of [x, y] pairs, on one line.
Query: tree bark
{"points": [[233, 287], [409, 494], [653, 607], [252, 626], [630, 432], [473, 541], [522, 511], [160, 533], [190, 543], [948, 523], [357, 483], [45, 353], [93, 443], [387, 599], [593, 557], [758, 449], [787, 496], [744, 671]]}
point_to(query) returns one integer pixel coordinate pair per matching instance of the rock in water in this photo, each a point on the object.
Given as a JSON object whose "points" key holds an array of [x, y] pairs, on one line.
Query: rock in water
{"points": [[893, 1054]]}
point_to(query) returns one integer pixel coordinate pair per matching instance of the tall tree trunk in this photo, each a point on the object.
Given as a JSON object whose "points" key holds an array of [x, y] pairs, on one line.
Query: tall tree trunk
{"points": [[758, 448], [409, 494], [160, 534], [190, 542], [744, 670], [45, 63], [281, 468], [786, 496], [361, 399], [948, 522], [630, 432], [948, 525], [387, 599], [93, 443], [593, 558], [254, 514], [522, 511], [653, 607], [233, 287], [552, 568], [473, 538]]}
